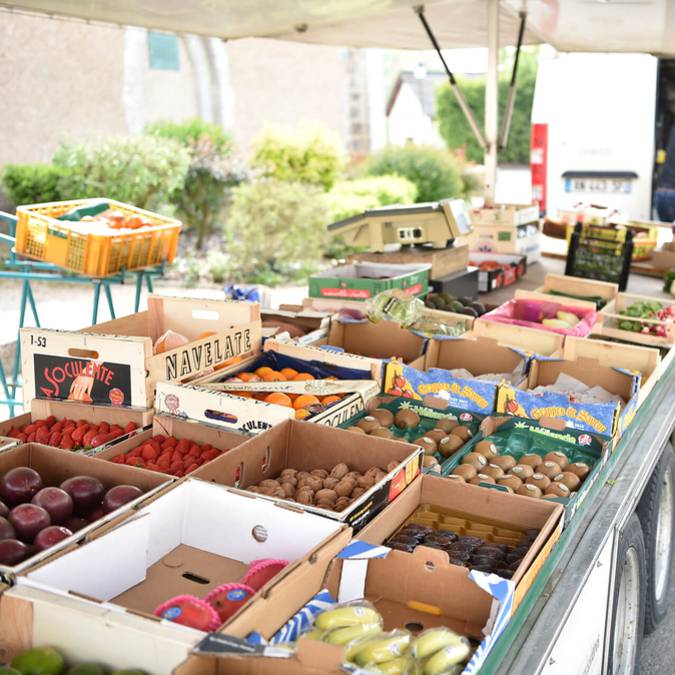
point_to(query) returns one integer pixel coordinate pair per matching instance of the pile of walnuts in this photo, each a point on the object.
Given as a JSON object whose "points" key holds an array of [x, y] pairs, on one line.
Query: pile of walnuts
{"points": [[334, 490]]}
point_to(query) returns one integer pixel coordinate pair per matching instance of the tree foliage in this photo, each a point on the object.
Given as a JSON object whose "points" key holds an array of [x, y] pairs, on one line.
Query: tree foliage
{"points": [[455, 129]]}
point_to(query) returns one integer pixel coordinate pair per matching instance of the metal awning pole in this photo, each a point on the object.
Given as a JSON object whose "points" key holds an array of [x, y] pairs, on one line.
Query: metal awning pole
{"points": [[511, 97], [461, 101], [492, 102]]}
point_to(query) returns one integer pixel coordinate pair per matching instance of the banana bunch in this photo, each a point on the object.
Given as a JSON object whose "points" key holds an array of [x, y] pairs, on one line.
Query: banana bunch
{"points": [[358, 628]]}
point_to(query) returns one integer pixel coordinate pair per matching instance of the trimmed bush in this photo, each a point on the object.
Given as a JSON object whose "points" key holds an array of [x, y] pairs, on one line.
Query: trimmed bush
{"points": [[32, 183], [435, 173], [191, 131], [275, 231], [143, 170], [311, 154]]}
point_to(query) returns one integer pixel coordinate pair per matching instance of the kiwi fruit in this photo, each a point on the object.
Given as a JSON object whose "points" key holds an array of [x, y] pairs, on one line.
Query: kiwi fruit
{"points": [[560, 458], [523, 471], [549, 469], [383, 416], [558, 489], [504, 462], [446, 424], [510, 481], [538, 479], [580, 469], [427, 444], [482, 478], [437, 434], [463, 432], [382, 432], [531, 459], [357, 430], [477, 461], [486, 448], [406, 419], [529, 491], [466, 471], [570, 480], [493, 471], [368, 423], [449, 445]]}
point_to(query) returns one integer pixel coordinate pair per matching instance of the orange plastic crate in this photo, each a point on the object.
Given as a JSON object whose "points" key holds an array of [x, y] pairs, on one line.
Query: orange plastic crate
{"points": [[39, 235]]}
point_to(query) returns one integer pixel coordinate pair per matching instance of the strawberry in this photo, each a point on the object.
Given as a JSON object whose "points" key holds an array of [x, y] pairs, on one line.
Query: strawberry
{"points": [[118, 460], [101, 439], [136, 452], [55, 439], [189, 610], [23, 438], [116, 428], [170, 442], [206, 447], [130, 426], [160, 438], [14, 432], [183, 446], [51, 420], [42, 435], [29, 429], [103, 428], [86, 440], [149, 452], [210, 454], [31, 437], [41, 423], [175, 467], [152, 466], [194, 451], [66, 442], [178, 474], [69, 428], [191, 468], [78, 434], [56, 428]]}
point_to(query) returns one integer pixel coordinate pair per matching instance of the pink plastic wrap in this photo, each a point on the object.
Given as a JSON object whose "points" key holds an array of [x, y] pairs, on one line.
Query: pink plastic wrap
{"points": [[530, 313]]}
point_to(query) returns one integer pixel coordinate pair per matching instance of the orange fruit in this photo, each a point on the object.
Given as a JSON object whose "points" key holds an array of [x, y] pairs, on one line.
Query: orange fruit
{"points": [[245, 377], [279, 398], [273, 376], [289, 373], [304, 401], [263, 370], [243, 394], [327, 400], [302, 414], [303, 376]]}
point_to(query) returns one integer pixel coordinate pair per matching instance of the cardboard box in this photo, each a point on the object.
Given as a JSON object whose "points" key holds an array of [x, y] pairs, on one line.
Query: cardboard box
{"points": [[55, 466], [505, 214], [612, 314], [663, 259], [41, 409], [88, 632], [304, 446], [488, 511], [478, 355], [511, 312], [190, 540], [314, 326], [114, 361], [472, 604], [245, 415], [606, 419], [443, 261], [178, 428], [362, 281], [542, 436], [530, 340], [378, 342], [579, 288], [642, 360], [512, 268]]}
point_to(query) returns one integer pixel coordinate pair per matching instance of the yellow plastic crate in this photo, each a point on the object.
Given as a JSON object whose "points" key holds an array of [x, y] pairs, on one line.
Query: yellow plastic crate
{"points": [[39, 235]]}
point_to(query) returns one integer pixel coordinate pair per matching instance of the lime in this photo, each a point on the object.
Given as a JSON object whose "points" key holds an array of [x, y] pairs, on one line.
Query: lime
{"points": [[8, 670], [39, 661]]}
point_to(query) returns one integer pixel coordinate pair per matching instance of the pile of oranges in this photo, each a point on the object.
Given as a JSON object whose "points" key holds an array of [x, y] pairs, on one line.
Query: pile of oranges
{"points": [[304, 405]]}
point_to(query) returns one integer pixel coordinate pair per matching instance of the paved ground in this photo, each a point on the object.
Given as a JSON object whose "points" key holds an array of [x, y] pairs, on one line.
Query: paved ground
{"points": [[658, 649]]}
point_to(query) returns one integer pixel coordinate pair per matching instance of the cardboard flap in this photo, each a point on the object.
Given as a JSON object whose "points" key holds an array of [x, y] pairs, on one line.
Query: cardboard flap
{"points": [[193, 316], [219, 409], [532, 340], [319, 655], [51, 361], [198, 356], [521, 294], [579, 286]]}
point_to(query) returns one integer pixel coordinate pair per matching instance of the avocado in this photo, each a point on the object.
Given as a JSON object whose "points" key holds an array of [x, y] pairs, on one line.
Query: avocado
{"points": [[469, 311], [447, 298], [86, 669], [479, 307], [465, 300], [455, 306]]}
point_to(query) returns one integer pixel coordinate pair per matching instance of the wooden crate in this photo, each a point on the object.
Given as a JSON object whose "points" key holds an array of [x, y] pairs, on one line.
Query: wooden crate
{"points": [[611, 315]]}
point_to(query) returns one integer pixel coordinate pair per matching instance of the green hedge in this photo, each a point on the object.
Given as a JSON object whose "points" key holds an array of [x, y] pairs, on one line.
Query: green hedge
{"points": [[32, 183]]}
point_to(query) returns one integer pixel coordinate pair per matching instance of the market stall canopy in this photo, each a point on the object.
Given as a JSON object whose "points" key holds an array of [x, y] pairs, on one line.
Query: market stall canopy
{"points": [[569, 25]]}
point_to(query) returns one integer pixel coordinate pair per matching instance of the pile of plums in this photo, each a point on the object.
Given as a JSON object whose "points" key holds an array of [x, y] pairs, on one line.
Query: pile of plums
{"points": [[34, 517]]}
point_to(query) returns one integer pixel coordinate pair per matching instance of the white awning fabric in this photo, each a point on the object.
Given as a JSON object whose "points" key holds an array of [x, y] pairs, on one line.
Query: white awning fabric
{"points": [[569, 25]]}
